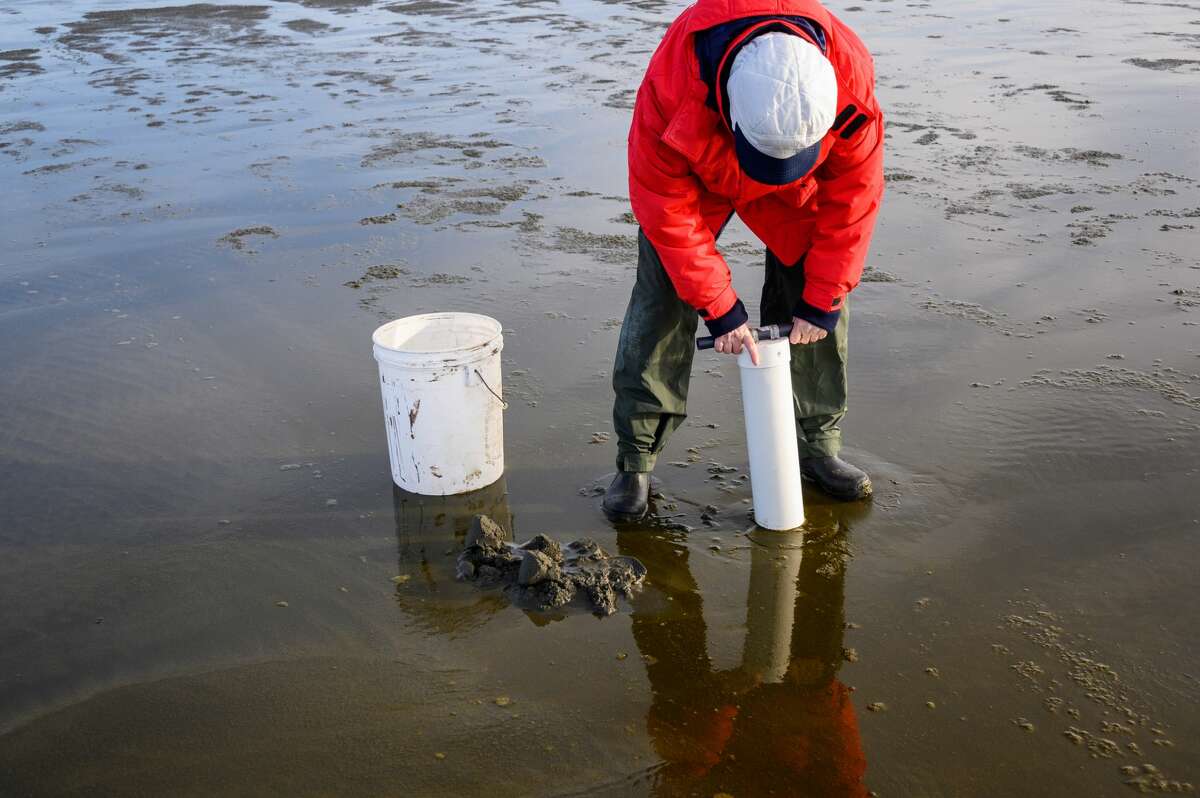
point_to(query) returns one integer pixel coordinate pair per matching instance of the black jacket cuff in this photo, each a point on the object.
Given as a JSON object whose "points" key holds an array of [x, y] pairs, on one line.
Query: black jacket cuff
{"points": [[731, 319], [826, 320]]}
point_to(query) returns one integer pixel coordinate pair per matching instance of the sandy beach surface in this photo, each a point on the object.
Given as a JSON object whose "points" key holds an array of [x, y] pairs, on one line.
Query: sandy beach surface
{"points": [[209, 587]]}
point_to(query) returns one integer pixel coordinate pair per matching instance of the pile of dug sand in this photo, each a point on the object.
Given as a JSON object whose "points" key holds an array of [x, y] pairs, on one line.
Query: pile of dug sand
{"points": [[542, 574]]}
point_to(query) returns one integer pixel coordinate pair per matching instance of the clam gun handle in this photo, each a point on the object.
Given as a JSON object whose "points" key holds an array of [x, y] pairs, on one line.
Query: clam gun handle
{"points": [[768, 332]]}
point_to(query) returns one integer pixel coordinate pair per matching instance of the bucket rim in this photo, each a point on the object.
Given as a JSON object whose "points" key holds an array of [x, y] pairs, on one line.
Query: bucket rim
{"points": [[497, 330]]}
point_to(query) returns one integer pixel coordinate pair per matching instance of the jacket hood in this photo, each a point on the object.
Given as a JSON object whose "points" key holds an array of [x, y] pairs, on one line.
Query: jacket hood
{"points": [[709, 13], [713, 44]]}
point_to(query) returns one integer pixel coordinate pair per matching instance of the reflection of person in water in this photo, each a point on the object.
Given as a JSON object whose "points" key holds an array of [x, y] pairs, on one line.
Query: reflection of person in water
{"points": [[780, 724]]}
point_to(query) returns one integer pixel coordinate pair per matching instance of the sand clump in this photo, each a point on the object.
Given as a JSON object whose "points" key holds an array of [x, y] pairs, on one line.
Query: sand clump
{"points": [[873, 275], [237, 238], [336, 6], [184, 30], [1165, 64], [971, 311], [543, 574], [436, 202], [405, 143], [1186, 298], [308, 26], [604, 247], [22, 125], [19, 63], [382, 271], [1083, 679], [1167, 382]]}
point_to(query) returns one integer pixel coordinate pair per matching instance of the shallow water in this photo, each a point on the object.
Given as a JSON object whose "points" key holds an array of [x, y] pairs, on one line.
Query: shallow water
{"points": [[209, 208]]}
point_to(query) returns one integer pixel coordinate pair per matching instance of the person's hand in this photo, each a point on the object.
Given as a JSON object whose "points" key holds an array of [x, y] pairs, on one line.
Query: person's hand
{"points": [[734, 340], [805, 333]]}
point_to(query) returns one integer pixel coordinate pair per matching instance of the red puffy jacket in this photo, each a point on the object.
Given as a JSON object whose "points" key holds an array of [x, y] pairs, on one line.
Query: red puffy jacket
{"points": [[685, 182]]}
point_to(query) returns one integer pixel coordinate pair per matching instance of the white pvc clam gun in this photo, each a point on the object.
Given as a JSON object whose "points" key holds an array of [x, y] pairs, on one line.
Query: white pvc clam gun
{"points": [[771, 436], [441, 382]]}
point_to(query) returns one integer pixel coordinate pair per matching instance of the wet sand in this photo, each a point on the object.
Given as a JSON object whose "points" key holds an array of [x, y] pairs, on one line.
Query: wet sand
{"points": [[208, 585]]}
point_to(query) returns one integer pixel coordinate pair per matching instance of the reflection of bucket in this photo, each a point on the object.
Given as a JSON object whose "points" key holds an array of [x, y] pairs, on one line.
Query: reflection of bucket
{"points": [[440, 377], [430, 532]]}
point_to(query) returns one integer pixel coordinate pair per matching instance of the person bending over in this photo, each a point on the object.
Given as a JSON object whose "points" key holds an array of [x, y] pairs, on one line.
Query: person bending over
{"points": [[765, 109]]}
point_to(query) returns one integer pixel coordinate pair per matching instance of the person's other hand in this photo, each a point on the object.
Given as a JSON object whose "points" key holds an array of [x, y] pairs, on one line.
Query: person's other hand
{"points": [[734, 341], [805, 333]]}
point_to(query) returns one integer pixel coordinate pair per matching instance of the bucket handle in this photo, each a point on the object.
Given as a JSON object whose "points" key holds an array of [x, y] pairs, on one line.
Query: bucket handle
{"points": [[503, 404]]}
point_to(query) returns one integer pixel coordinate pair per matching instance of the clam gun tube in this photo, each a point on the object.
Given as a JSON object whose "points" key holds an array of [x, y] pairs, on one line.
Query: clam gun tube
{"points": [[771, 429]]}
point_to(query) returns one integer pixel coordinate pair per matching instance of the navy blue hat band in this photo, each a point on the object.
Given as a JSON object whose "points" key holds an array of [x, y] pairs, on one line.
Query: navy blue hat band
{"points": [[773, 171]]}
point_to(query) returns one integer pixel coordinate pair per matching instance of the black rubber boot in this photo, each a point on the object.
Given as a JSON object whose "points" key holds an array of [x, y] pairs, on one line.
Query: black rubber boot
{"points": [[628, 496], [836, 477]]}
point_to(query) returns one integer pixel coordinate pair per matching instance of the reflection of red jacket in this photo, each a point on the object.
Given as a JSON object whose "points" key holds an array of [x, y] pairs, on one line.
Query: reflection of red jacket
{"points": [[805, 737], [809, 736], [684, 180]]}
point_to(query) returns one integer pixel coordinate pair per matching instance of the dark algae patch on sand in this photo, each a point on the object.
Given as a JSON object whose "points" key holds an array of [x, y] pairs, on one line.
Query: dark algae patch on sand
{"points": [[337, 6], [1086, 701], [237, 238], [615, 248], [387, 271], [1171, 384], [543, 574], [383, 271], [19, 63], [406, 143], [200, 19], [1166, 64], [309, 26]]}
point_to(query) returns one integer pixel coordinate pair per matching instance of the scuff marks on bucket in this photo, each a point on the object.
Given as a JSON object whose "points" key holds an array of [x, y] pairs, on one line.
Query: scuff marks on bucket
{"points": [[412, 419], [394, 445]]}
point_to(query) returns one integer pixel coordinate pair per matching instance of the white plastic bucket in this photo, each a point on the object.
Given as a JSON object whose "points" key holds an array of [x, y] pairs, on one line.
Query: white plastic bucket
{"points": [[440, 378], [771, 436]]}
